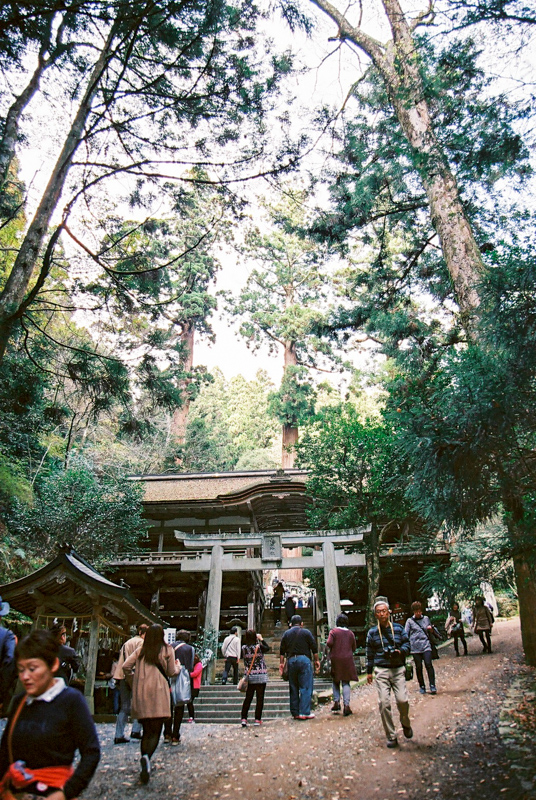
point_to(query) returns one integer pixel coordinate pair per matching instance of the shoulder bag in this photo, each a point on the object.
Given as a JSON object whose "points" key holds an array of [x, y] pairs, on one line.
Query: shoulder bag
{"points": [[243, 682]]}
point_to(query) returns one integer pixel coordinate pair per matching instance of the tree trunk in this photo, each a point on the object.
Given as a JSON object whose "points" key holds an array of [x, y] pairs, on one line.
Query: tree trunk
{"points": [[399, 66], [179, 420], [12, 296], [526, 593], [10, 133], [373, 571], [290, 432], [525, 573]]}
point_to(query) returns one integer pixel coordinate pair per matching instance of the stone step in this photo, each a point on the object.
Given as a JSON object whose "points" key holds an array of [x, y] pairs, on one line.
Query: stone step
{"points": [[222, 704]]}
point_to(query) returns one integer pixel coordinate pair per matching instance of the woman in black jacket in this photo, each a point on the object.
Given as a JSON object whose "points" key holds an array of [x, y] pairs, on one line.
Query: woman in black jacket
{"points": [[48, 724]]}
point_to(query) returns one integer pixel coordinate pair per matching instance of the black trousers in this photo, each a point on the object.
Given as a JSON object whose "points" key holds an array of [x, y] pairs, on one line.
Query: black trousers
{"points": [[231, 661], [257, 689], [461, 637], [152, 728], [427, 658]]}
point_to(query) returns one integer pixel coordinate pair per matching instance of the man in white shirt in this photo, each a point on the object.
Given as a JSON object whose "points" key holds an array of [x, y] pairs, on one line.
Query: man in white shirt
{"points": [[231, 652], [125, 691]]}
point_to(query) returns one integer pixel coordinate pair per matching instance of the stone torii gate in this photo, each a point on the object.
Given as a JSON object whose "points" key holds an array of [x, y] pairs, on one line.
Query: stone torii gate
{"points": [[223, 557]]}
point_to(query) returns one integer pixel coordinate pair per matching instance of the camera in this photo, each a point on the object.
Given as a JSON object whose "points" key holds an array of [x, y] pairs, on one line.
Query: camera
{"points": [[390, 651]]}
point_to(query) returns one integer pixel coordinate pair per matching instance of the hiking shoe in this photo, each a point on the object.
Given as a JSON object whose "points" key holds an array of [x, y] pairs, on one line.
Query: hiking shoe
{"points": [[433, 690], [408, 731], [244, 723], [336, 706], [121, 740], [422, 690], [347, 711], [392, 742], [145, 773], [135, 735]]}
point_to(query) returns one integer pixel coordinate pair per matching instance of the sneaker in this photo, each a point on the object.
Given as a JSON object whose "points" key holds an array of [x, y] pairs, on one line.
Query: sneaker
{"points": [[336, 706], [307, 716], [347, 711], [244, 723], [408, 731], [422, 690], [145, 773], [167, 739], [258, 722], [135, 735], [433, 690], [191, 719], [121, 740], [392, 742], [175, 742]]}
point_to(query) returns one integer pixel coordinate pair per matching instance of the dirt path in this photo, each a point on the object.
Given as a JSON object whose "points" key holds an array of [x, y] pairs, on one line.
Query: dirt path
{"points": [[456, 750]]}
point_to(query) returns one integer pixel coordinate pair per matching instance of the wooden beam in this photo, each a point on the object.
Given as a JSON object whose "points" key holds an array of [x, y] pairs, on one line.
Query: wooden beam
{"points": [[231, 564]]}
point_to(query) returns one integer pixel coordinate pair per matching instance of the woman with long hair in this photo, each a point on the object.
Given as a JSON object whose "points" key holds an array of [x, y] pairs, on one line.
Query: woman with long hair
{"points": [[49, 722], [341, 645], [253, 651], [153, 663]]}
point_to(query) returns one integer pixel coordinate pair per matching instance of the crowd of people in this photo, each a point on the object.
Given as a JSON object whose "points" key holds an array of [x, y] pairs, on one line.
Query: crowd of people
{"points": [[49, 721]]}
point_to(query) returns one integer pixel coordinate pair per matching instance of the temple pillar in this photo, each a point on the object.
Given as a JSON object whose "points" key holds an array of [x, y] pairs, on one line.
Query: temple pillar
{"points": [[251, 610], [93, 652], [331, 583], [212, 614]]}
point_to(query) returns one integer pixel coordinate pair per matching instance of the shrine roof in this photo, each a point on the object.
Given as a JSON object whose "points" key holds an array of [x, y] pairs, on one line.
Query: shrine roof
{"points": [[70, 586], [218, 486]]}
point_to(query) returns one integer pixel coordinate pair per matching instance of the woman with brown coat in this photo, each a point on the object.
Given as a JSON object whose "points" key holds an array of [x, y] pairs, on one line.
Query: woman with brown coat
{"points": [[341, 645], [152, 665]]}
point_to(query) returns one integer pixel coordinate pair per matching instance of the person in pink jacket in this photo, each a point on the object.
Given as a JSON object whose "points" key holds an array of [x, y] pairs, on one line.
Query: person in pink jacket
{"points": [[195, 676]]}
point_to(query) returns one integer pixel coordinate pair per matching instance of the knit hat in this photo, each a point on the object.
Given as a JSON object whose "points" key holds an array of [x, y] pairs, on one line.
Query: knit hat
{"points": [[381, 601]]}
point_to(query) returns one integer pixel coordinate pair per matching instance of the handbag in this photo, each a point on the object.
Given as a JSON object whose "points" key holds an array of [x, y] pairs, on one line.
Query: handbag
{"points": [[458, 628], [181, 687], [409, 671], [243, 682]]}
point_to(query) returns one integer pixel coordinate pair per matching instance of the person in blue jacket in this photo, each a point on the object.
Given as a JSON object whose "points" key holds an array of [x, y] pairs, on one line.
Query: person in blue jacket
{"points": [[387, 648]]}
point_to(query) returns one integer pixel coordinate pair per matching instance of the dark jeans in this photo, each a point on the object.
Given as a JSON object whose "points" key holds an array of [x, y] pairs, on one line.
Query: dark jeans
{"points": [[276, 609], [152, 728], [231, 661], [257, 689], [427, 658], [461, 637], [485, 644], [300, 685]]}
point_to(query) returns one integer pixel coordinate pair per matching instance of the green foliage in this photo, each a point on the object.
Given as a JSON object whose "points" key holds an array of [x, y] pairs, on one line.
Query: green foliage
{"points": [[465, 417], [379, 210], [99, 515], [228, 423], [294, 402], [482, 556], [355, 474], [282, 300]]}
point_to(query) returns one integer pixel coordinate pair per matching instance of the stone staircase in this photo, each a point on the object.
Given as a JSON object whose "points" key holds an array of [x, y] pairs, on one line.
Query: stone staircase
{"points": [[222, 704]]}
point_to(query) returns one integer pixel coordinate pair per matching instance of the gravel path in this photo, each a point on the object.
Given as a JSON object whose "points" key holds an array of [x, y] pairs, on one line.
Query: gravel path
{"points": [[456, 751]]}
